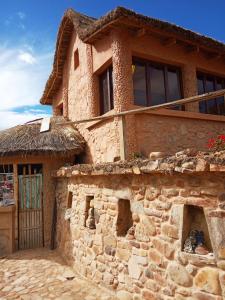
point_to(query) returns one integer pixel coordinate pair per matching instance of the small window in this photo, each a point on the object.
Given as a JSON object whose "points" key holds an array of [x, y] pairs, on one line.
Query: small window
{"points": [[155, 83], [208, 83], [76, 59], [106, 91], [89, 213], [124, 219], [69, 199]]}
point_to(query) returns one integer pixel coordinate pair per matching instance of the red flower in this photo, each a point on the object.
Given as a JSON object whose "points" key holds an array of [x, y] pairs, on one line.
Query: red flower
{"points": [[222, 137], [211, 143]]}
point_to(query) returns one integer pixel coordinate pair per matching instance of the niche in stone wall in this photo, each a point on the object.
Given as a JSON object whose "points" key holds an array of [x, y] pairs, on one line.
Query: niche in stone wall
{"points": [[195, 233], [124, 219], [89, 213]]}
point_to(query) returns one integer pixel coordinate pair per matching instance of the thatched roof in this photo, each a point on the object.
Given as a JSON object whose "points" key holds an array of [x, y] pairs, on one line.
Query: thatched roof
{"points": [[89, 28], [28, 140]]}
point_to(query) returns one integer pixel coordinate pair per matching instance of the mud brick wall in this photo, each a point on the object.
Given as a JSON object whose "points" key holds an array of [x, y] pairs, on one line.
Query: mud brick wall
{"points": [[147, 262]]}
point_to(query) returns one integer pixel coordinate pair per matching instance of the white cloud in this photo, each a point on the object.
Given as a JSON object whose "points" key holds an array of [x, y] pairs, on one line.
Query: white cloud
{"points": [[21, 15], [23, 75], [27, 58], [10, 118]]}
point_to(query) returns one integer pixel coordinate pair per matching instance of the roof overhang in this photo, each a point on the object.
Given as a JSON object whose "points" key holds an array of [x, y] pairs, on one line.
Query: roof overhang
{"points": [[89, 30]]}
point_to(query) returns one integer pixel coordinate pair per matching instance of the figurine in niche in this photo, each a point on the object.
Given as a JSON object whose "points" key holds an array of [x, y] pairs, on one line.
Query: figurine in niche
{"points": [[201, 248], [195, 243], [130, 233], [90, 223], [190, 243]]}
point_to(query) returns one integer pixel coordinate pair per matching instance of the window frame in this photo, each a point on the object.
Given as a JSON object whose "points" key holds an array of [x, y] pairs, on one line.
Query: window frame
{"points": [[203, 76], [165, 67], [109, 75]]}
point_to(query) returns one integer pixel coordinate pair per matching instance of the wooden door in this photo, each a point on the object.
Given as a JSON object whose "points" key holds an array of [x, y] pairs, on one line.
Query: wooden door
{"points": [[30, 212]]}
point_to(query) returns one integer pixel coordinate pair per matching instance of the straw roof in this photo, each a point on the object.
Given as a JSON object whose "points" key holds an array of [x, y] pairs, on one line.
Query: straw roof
{"points": [[28, 140], [89, 29]]}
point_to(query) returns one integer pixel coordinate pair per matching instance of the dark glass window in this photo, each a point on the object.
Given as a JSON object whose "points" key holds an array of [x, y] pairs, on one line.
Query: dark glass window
{"points": [[106, 91], [155, 83], [208, 83], [139, 83]]}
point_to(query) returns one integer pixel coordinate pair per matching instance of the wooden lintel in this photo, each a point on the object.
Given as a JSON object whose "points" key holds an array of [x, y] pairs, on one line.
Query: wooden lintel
{"points": [[169, 41]]}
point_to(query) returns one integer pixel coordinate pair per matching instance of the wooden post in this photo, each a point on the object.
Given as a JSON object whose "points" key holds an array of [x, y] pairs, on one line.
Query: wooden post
{"points": [[122, 137]]}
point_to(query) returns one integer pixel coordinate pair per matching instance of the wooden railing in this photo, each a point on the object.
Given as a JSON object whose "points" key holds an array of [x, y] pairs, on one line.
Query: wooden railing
{"points": [[183, 101]]}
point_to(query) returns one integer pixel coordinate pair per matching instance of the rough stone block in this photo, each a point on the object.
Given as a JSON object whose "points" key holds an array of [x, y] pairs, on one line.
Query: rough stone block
{"points": [[145, 229], [124, 295], [134, 269], [179, 274], [170, 230], [147, 295], [123, 254], [155, 257], [163, 247], [207, 280]]}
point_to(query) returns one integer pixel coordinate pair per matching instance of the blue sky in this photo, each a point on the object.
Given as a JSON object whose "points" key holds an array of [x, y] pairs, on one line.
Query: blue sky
{"points": [[28, 31]]}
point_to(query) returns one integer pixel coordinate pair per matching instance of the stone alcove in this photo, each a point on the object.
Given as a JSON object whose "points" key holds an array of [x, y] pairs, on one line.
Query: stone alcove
{"points": [[124, 219], [194, 219]]}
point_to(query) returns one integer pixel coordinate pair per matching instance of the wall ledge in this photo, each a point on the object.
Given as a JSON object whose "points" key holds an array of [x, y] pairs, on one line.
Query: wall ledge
{"points": [[187, 161]]}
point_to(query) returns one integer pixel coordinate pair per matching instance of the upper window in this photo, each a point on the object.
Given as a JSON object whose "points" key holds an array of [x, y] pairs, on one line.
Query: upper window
{"points": [[155, 83], [106, 91], [76, 59], [208, 83]]}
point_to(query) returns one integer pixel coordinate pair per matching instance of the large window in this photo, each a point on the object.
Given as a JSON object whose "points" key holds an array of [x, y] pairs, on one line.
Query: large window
{"points": [[106, 91], [155, 83], [208, 83]]}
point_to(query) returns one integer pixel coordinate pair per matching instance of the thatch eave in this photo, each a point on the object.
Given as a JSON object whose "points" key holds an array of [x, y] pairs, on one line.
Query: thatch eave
{"points": [[89, 28], [24, 140]]}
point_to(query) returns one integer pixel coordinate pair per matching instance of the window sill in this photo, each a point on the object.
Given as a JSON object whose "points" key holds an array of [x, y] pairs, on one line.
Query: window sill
{"points": [[197, 259]]}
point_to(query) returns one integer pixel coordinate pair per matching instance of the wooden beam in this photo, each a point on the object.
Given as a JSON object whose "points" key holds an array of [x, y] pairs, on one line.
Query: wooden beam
{"points": [[213, 56], [169, 41], [192, 48], [140, 32], [198, 98]]}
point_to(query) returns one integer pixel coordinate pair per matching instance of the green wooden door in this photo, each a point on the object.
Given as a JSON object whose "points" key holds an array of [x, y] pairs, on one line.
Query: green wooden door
{"points": [[30, 212]]}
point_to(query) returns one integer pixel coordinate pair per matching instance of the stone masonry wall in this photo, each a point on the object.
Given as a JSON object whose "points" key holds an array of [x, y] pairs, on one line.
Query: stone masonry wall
{"points": [[148, 262]]}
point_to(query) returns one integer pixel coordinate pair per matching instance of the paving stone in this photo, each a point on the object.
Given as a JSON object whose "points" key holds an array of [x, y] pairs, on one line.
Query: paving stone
{"points": [[42, 274]]}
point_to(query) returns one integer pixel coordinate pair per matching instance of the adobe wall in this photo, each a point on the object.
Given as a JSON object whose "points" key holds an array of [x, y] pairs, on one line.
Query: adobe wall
{"points": [[50, 164], [170, 134], [149, 261], [80, 89]]}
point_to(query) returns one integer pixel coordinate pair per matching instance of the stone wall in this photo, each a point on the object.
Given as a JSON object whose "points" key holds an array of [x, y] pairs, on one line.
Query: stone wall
{"points": [[148, 261]]}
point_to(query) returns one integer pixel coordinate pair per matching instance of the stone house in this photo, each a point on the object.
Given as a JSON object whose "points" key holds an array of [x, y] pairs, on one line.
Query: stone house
{"points": [[128, 224]]}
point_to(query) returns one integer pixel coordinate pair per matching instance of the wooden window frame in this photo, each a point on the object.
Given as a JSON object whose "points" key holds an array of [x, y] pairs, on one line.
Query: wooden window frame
{"points": [[109, 88], [203, 76], [165, 67]]}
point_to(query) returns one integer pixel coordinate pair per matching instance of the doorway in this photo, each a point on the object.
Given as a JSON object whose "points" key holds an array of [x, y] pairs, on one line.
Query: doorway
{"points": [[30, 206]]}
